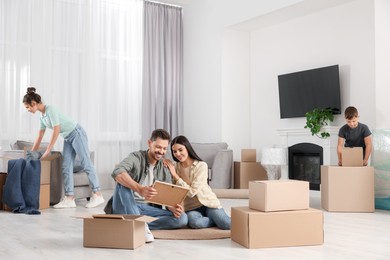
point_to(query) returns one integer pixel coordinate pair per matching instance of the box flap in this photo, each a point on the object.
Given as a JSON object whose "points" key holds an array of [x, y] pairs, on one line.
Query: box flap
{"points": [[141, 218], [51, 156], [109, 216], [145, 219]]}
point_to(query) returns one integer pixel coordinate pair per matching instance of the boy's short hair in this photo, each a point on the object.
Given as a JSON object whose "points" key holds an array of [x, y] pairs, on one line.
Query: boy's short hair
{"points": [[351, 112], [160, 133]]}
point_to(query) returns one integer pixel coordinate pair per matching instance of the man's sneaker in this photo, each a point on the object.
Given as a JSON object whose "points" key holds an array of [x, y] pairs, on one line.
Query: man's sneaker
{"points": [[95, 201], [148, 235], [65, 203]]}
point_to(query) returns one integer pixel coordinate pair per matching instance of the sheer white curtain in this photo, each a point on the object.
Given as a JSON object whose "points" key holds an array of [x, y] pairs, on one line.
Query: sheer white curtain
{"points": [[84, 57], [163, 69]]}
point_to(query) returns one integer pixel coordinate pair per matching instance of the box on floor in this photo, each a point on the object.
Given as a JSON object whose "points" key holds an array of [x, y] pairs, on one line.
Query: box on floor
{"points": [[276, 195], [256, 229], [347, 189], [115, 231], [247, 171]]}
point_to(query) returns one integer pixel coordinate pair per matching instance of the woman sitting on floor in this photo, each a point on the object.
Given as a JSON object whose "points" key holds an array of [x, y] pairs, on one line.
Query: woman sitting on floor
{"points": [[201, 204]]}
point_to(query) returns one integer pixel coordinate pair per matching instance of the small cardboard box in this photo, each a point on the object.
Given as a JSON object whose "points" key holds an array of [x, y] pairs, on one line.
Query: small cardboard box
{"points": [[277, 195], [244, 172], [248, 155], [352, 156], [347, 189], [256, 229], [115, 231]]}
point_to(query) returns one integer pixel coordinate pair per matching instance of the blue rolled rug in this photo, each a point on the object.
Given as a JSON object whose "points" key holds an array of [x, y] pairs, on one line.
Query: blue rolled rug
{"points": [[22, 186]]}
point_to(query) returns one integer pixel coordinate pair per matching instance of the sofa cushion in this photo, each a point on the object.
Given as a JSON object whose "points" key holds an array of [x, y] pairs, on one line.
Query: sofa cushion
{"points": [[207, 151]]}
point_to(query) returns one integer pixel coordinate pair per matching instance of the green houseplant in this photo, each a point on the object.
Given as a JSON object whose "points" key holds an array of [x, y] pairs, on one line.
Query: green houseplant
{"points": [[317, 118]]}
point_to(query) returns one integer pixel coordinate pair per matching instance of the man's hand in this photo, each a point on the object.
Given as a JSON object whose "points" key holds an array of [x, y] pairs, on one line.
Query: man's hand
{"points": [[177, 211], [148, 192]]}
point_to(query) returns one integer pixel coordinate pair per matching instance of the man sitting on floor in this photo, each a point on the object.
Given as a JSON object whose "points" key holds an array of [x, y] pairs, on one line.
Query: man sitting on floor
{"points": [[134, 177]]}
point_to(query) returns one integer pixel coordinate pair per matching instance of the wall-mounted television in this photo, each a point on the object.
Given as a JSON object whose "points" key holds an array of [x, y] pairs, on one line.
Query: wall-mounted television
{"points": [[302, 91]]}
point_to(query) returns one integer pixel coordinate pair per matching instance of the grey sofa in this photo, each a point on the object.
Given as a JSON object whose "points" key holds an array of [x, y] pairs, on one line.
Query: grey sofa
{"points": [[81, 183], [219, 159]]}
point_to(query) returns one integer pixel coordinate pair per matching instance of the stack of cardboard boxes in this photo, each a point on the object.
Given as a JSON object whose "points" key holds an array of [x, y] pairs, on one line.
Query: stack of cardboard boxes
{"points": [[278, 215], [348, 188], [248, 169]]}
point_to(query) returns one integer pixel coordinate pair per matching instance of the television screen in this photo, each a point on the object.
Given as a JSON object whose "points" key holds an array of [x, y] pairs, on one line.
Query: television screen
{"points": [[302, 91]]}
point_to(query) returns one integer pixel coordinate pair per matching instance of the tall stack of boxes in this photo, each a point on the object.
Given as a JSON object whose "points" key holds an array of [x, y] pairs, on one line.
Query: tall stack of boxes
{"points": [[248, 169], [278, 215]]}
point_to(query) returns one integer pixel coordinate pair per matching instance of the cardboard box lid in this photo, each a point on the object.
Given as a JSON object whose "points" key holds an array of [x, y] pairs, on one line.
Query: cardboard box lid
{"points": [[141, 218], [168, 194]]}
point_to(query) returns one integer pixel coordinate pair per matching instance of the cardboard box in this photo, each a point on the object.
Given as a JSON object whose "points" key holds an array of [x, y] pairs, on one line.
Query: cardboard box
{"points": [[256, 229], [347, 189], [352, 156], [3, 176], [44, 196], [248, 155], [277, 195], [115, 231], [244, 172], [46, 167]]}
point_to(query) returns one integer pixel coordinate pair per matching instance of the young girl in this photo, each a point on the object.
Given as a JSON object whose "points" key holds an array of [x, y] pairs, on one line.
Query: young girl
{"points": [[75, 142], [201, 204]]}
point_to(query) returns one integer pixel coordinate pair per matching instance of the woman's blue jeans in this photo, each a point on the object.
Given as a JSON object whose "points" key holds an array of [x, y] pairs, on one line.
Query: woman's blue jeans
{"points": [[124, 203], [204, 217], [77, 143]]}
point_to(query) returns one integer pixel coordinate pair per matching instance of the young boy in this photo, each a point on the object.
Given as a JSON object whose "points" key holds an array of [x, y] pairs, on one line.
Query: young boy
{"points": [[354, 134]]}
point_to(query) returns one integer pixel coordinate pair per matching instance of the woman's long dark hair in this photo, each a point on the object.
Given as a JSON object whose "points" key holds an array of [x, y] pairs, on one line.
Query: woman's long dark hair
{"points": [[31, 96], [181, 139]]}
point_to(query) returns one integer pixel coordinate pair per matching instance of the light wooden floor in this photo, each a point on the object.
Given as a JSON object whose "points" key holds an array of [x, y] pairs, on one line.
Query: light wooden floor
{"points": [[55, 234]]}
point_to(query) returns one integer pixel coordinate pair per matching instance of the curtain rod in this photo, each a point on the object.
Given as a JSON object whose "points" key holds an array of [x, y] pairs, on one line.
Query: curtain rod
{"points": [[161, 3]]}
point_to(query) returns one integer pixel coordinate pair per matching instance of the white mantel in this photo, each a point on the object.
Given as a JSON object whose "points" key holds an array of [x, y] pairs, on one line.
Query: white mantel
{"points": [[291, 137]]}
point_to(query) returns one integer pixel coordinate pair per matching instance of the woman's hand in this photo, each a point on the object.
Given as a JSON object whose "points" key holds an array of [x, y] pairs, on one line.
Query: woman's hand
{"points": [[169, 164], [177, 210], [47, 152]]}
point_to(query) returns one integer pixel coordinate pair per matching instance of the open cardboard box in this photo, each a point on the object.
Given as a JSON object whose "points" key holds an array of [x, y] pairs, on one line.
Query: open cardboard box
{"points": [[115, 231]]}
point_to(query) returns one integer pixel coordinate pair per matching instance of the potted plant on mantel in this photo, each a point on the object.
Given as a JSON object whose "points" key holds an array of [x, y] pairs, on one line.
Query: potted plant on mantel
{"points": [[318, 118]]}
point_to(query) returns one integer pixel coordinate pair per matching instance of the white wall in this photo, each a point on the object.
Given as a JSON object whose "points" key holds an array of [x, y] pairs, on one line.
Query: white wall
{"points": [[204, 23], [382, 62], [341, 33]]}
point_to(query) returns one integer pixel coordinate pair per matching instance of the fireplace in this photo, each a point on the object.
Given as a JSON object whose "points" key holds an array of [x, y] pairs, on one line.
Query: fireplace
{"points": [[304, 163]]}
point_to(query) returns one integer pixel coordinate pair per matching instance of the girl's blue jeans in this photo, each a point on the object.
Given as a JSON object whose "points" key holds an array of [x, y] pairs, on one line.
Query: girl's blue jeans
{"points": [[77, 143]]}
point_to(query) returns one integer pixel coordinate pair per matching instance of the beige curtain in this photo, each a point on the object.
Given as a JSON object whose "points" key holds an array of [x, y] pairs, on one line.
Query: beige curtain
{"points": [[162, 69]]}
